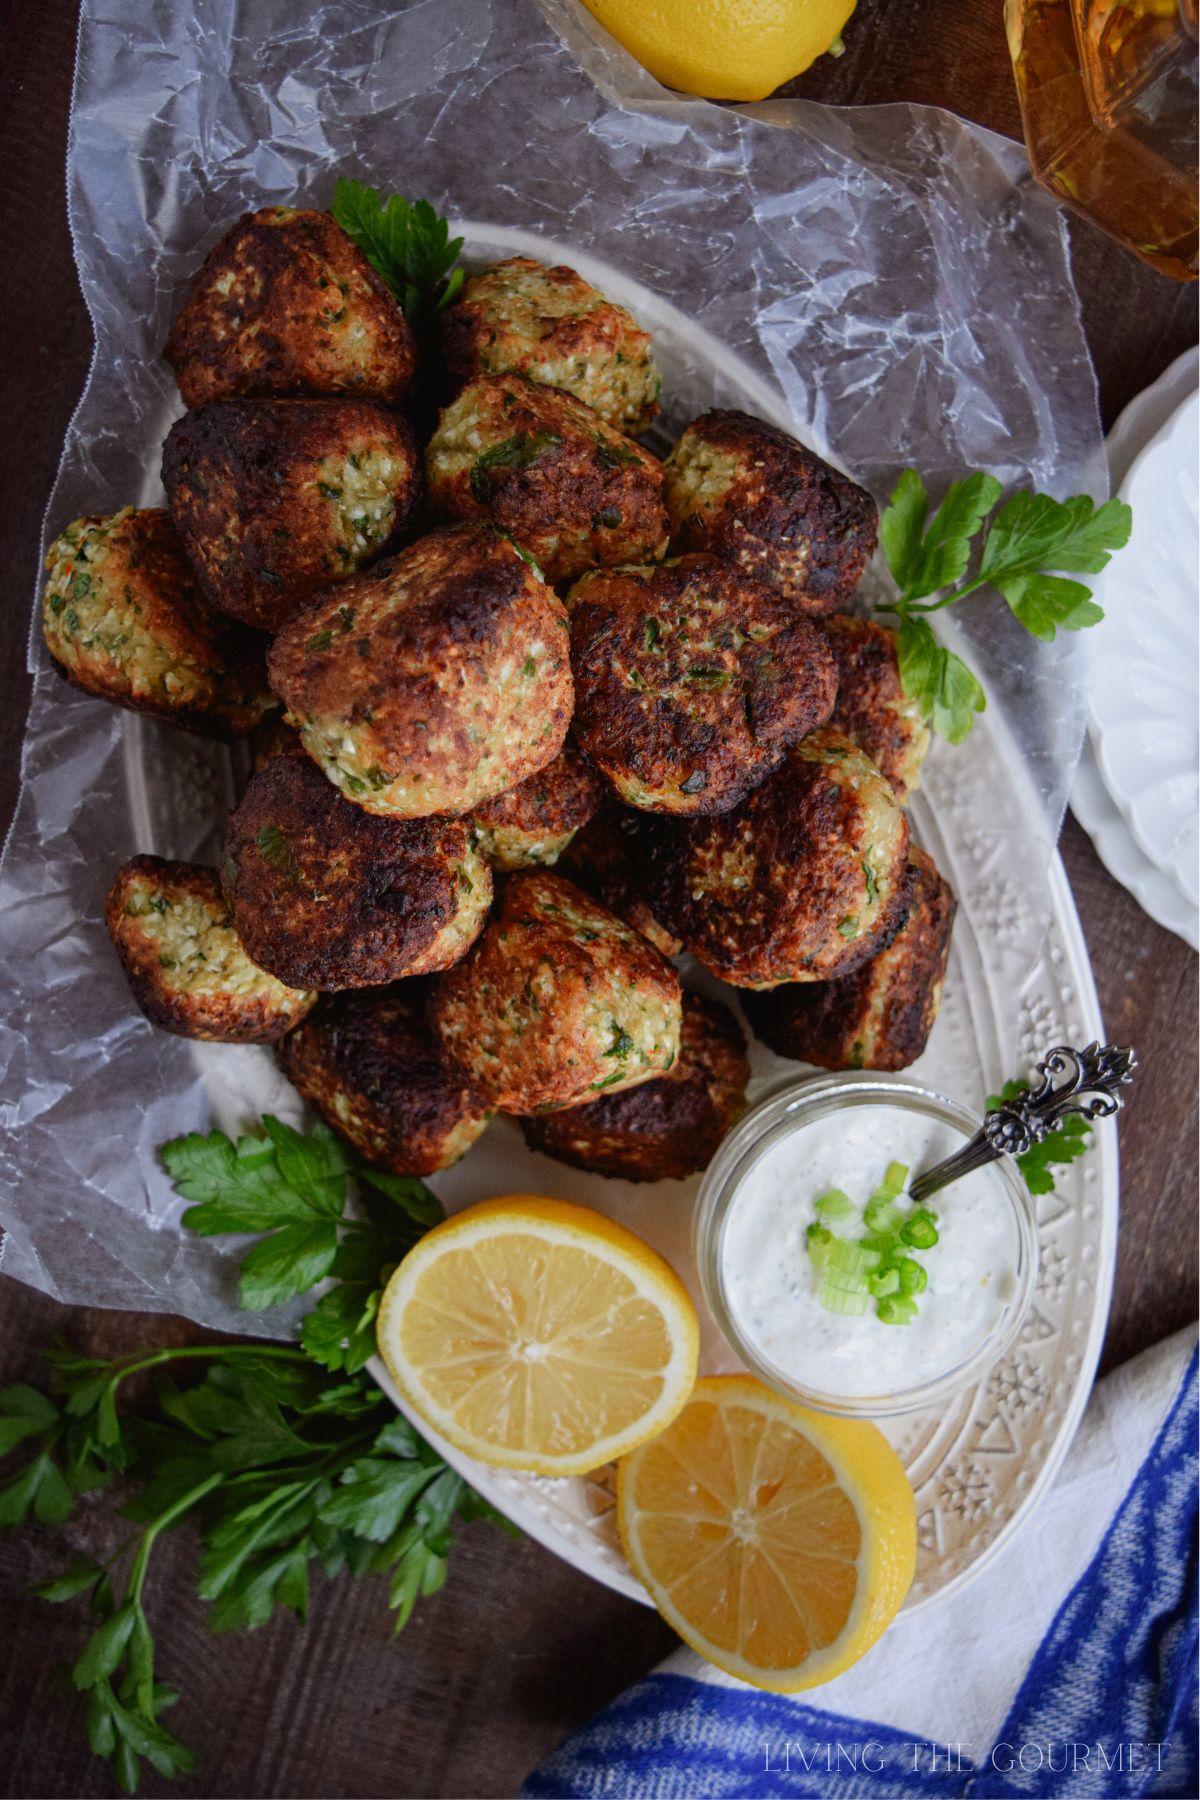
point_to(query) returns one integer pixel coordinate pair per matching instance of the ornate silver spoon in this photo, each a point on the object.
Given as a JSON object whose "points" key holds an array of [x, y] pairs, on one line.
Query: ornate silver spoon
{"points": [[1100, 1071]]}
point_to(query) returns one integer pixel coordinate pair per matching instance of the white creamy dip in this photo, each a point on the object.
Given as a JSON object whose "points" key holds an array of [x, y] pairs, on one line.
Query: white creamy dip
{"points": [[771, 1283]]}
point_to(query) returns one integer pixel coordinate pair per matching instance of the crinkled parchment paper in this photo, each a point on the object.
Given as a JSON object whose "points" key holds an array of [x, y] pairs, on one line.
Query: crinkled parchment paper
{"points": [[891, 271]]}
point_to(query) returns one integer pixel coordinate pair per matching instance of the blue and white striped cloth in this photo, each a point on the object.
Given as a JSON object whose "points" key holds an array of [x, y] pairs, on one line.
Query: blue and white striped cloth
{"points": [[1066, 1668]]}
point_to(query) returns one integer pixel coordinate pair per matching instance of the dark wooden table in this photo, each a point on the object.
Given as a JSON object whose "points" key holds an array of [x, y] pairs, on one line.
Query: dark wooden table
{"points": [[519, 1648]]}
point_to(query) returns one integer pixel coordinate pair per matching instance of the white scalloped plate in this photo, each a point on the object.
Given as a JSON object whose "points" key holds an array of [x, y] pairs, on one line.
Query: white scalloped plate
{"points": [[979, 1464], [1092, 804], [1144, 687]]}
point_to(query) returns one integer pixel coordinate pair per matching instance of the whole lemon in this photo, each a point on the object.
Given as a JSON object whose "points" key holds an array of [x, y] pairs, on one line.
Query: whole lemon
{"points": [[724, 49]]}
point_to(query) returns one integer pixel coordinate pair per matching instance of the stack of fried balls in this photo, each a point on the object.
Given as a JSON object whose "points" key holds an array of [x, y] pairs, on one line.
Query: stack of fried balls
{"points": [[531, 712]]}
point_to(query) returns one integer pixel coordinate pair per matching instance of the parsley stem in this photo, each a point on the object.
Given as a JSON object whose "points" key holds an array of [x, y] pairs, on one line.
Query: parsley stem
{"points": [[950, 599], [158, 1357], [164, 1522]]}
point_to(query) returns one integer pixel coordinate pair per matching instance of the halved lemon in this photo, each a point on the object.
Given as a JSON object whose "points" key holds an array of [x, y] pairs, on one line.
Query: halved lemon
{"points": [[778, 1542], [535, 1334]]}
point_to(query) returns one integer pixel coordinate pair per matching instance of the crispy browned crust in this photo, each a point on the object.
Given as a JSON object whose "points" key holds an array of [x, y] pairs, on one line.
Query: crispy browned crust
{"points": [[691, 680], [146, 562], [548, 808], [469, 339], [371, 1066], [663, 1130], [758, 894], [513, 1017], [881, 1016], [326, 896], [241, 484], [417, 679], [871, 707], [609, 859], [296, 285], [223, 1018], [590, 499], [789, 518]]}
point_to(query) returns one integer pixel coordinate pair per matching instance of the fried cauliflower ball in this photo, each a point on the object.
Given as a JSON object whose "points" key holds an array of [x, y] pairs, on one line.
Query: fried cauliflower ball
{"points": [[276, 498], [872, 708], [608, 860], [558, 1002], [534, 823], [325, 896], [548, 471], [433, 681], [287, 304], [170, 924], [803, 882], [123, 619], [374, 1070], [881, 1016], [691, 680], [663, 1130], [747, 492], [553, 326]]}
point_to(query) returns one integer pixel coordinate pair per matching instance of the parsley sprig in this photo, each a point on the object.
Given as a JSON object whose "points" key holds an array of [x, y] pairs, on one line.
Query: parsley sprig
{"points": [[284, 1457], [931, 564], [405, 241], [292, 1189]]}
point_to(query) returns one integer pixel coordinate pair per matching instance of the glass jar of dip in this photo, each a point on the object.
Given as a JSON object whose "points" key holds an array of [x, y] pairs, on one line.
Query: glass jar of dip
{"points": [[762, 1286]]}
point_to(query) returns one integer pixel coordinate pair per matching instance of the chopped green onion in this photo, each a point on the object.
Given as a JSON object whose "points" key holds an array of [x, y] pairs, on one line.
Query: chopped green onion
{"points": [[896, 1309], [913, 1278], [850, 1259], [817, 1238], [881, 1214], [919, 1230], [835, 1205], [841, 1300], [873, 1266], [894, 1178]]}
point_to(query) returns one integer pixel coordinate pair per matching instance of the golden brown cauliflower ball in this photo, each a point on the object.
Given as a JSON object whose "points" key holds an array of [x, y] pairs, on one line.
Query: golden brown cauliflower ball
{"points": [[666, 1129], [552, 325], [550, 473], [691, 680], [274, 499], [749, 493], [372, 1067], [534, 823], [123, 619], [558, 1002], [608, 859], [803, 882], [872, 708], [325, 896], [287, 304], [170, 924], [432, 681], [881, 1016]]}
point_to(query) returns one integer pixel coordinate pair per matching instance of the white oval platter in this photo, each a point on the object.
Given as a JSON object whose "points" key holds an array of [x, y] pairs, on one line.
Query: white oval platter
{"points": [[979, 1465]]}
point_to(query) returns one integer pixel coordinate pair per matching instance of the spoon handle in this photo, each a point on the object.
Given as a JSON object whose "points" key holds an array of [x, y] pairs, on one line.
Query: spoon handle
{"points": [[1094, 1079]]}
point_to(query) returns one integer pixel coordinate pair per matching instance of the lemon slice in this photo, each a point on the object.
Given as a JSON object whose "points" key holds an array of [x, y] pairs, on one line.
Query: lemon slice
{"points": [[534, 1334], [778, 1542]]}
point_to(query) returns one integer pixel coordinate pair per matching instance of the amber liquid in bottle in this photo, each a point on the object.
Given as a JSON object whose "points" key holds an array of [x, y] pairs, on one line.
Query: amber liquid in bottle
{"points": [[1108, 92]]}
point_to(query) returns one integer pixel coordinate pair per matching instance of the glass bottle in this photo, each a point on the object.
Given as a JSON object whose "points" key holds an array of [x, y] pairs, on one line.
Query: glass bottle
{"points": [[1108, 93]]}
